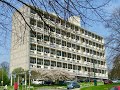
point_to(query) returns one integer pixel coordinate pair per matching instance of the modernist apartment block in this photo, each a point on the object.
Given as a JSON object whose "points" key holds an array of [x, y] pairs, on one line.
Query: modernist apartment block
{"points": [[55, 43]]}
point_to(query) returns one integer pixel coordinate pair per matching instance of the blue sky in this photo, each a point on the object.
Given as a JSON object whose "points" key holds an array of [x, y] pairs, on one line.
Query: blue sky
{"points": [[95, 27]]}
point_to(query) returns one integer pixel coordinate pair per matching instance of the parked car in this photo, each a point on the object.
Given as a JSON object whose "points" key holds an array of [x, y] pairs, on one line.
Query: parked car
{"points": [[115, 88], [107, 82], [116, 81], [37, 82], [72, 85]]}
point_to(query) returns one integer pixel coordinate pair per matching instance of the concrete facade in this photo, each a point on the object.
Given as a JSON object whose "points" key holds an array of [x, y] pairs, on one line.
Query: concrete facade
{"points": [[59, 44]]}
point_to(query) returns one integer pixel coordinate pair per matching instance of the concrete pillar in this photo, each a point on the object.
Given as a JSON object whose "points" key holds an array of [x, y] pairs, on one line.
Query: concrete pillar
{"points": [[11, 80]]}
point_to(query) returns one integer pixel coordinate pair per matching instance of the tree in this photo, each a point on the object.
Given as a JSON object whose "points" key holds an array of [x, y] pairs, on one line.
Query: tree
{"points": [[115, 71], [18, 73], [53, 75], [87, 10], [5, 66], [4, 77], [113, 41], [18, 70]]}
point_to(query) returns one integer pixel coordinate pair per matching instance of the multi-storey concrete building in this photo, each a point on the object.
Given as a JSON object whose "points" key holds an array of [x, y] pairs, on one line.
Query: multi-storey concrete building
{"points": [[56, 43]]}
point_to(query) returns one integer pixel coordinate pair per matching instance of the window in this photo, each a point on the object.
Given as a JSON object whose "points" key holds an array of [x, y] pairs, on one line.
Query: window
{"points": [[46, 38], [73, 46], [68, 34], [69, 55], [69, 66], [72, 36], [63, 33], [91, 51], [32, 34], [32, 21], [84, 58], [46, 50], [64, 54], [74, 56], [68, 44], [85, 68], [40, 48], [59, 53], [52, 29], [78, 57], [77, 37], [64, 65], [32, 60], [33, 47], [53, 51], [74, 67], [86, 33], [58, 31], [40, 61], [78, 47], [58, 41], [87, 50], [39, 24], [98, 62], [63, 43], [32, 11], [103, 72], [88, 59], [46, 62], [53, 63], [52, 40], [40, 36], [79, 67], [59, 64]]}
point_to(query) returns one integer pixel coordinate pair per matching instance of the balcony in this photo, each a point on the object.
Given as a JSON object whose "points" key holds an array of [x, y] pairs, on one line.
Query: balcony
{"points": [[64, 48], [52, 56], [40, 42], [35, 16], [69, 60], [58, 35], [70, 49], [40, 53], [40, 30], [33, 40], [78, 42], [53, 34], [73, 40], [47, 43], [78, 32], [33, 52], [53, 45], [59, 57], [74, 50], [46, 32], [46, 55]]}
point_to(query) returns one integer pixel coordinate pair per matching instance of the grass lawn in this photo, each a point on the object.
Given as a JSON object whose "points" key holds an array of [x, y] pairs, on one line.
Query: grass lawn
{"points": [[100, 87], [88, 84], [36, 87]]}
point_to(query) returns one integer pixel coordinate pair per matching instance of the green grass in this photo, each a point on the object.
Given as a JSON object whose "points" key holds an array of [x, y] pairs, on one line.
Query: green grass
{"points": [[88, 84], [36, 87], [101, 87]]}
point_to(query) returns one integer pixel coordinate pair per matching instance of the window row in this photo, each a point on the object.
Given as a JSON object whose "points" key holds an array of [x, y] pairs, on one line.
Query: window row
{"points": [[68, 55], [63, 65], [62, 32], [52, 39], [69, 45]]}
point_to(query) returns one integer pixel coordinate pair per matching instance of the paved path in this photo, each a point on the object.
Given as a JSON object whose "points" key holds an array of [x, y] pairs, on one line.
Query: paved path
{"points": [[58, 89]]}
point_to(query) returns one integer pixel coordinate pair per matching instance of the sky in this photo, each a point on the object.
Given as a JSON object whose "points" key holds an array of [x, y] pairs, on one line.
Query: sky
{"points": [[96, 27]]}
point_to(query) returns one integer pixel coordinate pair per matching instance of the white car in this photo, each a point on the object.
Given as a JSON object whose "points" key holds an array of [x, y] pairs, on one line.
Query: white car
{"points": [[37, 82]]}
